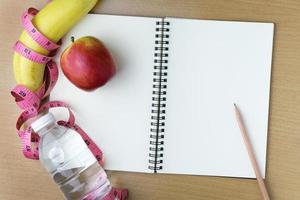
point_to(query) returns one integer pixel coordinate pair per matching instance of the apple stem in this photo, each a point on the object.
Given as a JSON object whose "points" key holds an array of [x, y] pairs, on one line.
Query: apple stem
{"points": [[73, 39]]}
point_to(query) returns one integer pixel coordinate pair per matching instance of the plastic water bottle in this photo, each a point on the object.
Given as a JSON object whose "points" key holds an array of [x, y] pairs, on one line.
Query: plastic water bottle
{"points": [[68, 160]]}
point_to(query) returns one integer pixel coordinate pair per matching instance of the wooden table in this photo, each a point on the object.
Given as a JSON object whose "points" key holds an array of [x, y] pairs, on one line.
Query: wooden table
{"points": [[25, 179]]}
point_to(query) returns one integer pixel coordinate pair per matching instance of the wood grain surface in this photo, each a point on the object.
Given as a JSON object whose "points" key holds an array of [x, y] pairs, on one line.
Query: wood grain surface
{"points": [[26, 179]]}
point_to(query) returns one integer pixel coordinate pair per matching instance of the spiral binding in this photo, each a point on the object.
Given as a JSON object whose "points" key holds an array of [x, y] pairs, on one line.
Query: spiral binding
{"points": [[159, 95]]}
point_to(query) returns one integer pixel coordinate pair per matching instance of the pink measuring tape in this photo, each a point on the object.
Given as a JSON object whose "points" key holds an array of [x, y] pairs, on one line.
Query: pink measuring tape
{"points": [[30, 102]]}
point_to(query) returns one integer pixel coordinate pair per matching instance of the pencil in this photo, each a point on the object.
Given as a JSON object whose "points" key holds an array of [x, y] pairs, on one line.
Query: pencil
{"points": [[250, 151]]}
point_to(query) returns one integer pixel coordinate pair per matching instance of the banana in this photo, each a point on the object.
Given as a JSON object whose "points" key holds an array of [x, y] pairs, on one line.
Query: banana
{"points": [[54, 21]]}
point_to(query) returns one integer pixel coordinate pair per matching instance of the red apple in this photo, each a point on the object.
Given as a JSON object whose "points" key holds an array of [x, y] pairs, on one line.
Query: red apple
{"points": [[87, 63]]}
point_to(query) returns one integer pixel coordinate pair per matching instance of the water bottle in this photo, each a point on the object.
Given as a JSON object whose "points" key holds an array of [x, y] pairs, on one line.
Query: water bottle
{"points": [[68, 160]]}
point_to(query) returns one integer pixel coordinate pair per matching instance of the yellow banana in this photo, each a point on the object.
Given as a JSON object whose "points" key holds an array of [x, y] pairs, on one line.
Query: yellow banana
{"points": [[54, 21]]}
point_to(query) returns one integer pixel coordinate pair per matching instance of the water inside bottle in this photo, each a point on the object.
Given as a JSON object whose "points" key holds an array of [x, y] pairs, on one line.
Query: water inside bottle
{"points": [[71, 164], [77, 182]]}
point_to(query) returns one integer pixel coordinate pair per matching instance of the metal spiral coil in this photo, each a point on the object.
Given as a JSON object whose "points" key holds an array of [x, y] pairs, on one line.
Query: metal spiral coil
{"points": [[159, 93]]}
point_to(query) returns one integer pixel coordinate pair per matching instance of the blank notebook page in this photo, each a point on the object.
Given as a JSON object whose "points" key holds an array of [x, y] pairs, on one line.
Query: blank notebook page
{"points": [[117, 116], [213, 64]]}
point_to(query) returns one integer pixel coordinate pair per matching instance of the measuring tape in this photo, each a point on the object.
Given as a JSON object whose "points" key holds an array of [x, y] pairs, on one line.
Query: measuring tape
{"points": [[30, 102]]}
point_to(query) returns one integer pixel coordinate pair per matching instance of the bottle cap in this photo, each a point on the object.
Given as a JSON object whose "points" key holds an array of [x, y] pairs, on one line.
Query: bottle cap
{"points": [[43, 121]]}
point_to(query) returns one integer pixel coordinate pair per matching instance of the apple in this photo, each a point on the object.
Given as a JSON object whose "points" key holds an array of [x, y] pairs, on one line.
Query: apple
{"points": [[87, 63]]}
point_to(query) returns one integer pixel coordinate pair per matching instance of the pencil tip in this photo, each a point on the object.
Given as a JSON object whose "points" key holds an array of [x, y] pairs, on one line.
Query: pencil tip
{"points": [[234, 104]]}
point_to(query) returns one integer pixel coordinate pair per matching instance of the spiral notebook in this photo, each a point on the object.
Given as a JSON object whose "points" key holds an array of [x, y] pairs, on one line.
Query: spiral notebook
{"points": [[169, 108]]}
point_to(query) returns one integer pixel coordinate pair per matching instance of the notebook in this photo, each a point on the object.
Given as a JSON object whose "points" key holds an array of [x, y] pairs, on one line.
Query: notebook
{"points": [[169, 108]]}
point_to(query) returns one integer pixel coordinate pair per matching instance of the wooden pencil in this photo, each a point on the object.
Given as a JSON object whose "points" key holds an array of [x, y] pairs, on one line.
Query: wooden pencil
{"points": [[250, 151]]}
